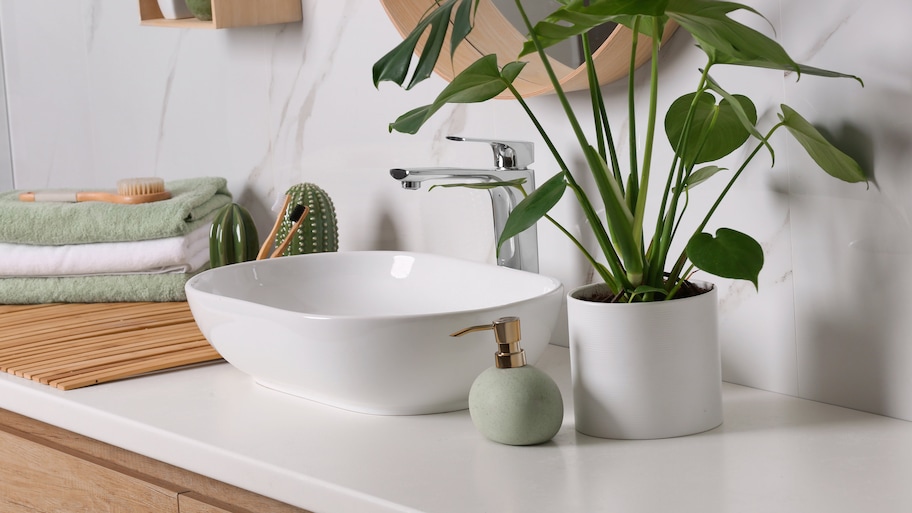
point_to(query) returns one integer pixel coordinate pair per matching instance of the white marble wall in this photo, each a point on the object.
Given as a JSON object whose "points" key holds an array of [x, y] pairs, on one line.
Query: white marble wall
{"points": [[93, 97]]}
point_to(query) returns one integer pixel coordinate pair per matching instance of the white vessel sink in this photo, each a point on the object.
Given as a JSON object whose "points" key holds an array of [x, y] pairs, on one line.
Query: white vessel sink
{"points": [[369, 331]]}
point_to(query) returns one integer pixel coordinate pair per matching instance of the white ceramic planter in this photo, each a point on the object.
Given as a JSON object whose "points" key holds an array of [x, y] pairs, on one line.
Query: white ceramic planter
{"points": [[645, 370]]}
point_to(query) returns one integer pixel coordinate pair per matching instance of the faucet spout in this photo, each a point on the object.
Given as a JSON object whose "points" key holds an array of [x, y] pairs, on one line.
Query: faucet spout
{"points": [[521, 251], [411, 178]]}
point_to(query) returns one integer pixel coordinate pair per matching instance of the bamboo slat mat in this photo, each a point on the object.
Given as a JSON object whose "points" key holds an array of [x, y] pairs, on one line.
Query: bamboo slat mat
{"points": [[74, 345]]}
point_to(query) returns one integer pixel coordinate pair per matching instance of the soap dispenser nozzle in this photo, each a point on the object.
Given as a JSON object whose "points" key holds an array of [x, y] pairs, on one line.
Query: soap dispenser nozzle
{"points": [[507, 335]]}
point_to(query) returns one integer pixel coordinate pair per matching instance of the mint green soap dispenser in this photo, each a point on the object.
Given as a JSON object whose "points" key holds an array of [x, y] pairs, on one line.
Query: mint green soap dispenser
{"points": [[513, 403]]}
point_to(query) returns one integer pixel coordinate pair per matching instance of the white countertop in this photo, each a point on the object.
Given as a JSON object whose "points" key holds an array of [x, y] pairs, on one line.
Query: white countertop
{"points": [[773, 453]]}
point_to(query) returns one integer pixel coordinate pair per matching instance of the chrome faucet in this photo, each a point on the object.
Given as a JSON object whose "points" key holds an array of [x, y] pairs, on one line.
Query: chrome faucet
{"points": [[511, 161]]}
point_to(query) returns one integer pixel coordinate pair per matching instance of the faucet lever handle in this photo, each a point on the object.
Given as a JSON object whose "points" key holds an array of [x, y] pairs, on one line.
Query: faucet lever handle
{"points": [[507, 154]]}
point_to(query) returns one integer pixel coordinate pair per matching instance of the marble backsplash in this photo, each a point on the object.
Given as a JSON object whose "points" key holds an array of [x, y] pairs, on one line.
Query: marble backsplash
{"points": [[93, 97]]}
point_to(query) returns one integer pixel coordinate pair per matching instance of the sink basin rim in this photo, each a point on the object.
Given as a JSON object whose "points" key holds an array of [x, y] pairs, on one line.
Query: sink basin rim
{"points": [[549, 285]]}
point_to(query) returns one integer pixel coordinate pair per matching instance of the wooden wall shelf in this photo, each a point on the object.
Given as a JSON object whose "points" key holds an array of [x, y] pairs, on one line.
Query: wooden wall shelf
{"points": [[227, 14]]}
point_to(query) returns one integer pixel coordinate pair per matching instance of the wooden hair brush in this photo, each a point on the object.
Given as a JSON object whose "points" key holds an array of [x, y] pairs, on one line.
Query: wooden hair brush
{"points": [[130, 191]]}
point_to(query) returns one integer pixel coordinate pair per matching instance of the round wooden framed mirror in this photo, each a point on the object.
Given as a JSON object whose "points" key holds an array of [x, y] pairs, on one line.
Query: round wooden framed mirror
{"points": [[494, 33]]}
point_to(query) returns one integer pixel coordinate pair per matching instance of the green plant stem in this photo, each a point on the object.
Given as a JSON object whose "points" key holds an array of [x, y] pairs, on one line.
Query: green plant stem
{"points": [[609, 280], [595, 98], [684, 172], [633, 187], [606, 277], [609, 140], [602, 124], [614, 261], [640, 210], [669, 205], [597, 227], [541, 130], [611, 256], [678, 284], [734, 178], [728, 186]]}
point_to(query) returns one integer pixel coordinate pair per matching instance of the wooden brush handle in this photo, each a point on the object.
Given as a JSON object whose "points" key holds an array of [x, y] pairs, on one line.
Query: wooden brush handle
{"points": [[290, 237], [55, 196], [270, 239], [76, 197]]}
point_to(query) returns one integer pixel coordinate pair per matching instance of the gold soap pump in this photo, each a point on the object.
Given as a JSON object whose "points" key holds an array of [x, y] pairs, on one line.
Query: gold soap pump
{"points": [[513, 403]]}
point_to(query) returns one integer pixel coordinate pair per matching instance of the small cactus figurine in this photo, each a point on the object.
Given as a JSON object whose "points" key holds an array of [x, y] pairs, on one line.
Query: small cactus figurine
{"points": [[233, 237], [319, 232]]}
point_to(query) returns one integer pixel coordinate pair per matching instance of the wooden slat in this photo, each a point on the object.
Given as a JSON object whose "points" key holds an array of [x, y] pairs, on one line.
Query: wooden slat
{"points": [[19, 342], [75, 345]]}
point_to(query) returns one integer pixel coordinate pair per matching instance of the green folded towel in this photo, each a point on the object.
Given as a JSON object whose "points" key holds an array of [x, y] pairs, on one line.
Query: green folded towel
{"points": [[94, 289], [192, 204]]}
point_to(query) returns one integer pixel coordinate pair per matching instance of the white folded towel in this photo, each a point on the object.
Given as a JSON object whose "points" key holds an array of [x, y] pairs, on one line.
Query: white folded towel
{"points": [[184, 254]]}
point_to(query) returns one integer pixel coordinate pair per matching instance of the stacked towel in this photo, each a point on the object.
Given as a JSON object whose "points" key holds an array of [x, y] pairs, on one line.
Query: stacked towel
{"points": [[93, 289], [105, 252], [185, 254]]}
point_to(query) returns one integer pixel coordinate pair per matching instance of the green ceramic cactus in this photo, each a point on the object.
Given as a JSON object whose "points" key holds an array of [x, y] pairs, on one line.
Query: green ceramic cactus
{"points": [[319, 233], [233, 237]]}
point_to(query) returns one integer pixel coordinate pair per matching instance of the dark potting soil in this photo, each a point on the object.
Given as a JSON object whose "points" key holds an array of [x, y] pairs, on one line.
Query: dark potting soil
{"points": [[604, 295]]}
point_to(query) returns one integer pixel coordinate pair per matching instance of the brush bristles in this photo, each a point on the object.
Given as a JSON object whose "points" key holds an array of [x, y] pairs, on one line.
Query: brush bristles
{"points": [[140, 186], [296, 214]]}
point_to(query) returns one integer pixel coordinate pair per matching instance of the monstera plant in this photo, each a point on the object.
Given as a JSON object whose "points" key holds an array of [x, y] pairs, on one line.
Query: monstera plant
{"points": [[702, 127]]}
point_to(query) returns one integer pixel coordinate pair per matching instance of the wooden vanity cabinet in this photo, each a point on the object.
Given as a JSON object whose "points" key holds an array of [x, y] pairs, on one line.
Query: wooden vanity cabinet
{"points": [[45, 469]]}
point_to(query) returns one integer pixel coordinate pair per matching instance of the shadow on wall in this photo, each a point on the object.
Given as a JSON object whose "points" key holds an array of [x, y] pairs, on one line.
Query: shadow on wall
{"points": [[855, 349], [261, 213], [856, 143], [386, 237], [847, 357]]}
